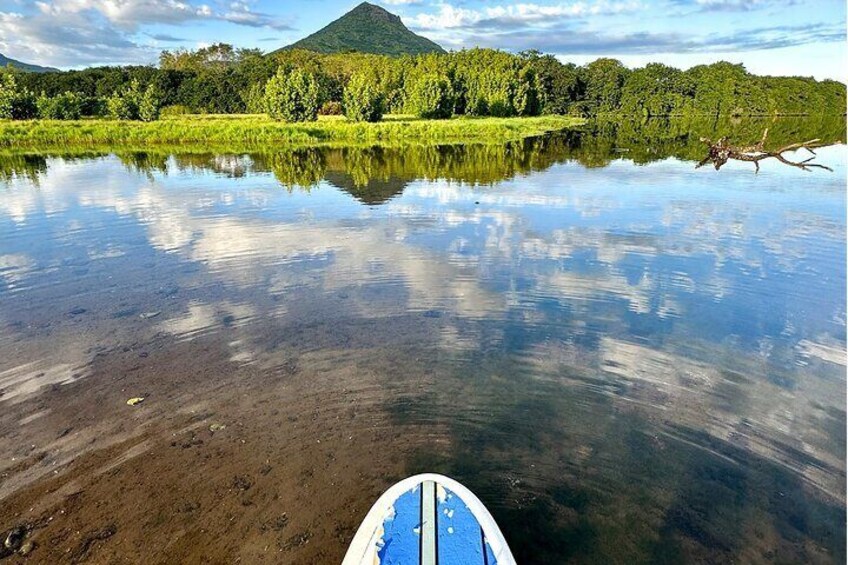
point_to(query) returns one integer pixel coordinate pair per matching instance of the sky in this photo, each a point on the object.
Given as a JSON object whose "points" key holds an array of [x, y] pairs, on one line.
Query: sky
{"points": [[774, 37]]}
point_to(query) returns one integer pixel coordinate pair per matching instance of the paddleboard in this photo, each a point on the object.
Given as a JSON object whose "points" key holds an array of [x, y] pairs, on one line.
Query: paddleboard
{"points": [[428, 519]]}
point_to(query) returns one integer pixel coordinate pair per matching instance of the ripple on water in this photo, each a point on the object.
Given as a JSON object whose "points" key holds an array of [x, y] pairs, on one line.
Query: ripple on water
{"points": [[625, 362]]}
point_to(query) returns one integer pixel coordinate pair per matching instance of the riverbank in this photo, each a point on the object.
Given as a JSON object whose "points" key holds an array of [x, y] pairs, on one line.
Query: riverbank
{"points": [[252, 131]]}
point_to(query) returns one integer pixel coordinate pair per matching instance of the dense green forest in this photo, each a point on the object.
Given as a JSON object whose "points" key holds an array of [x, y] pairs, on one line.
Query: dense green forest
{"points": [[477, 82]]}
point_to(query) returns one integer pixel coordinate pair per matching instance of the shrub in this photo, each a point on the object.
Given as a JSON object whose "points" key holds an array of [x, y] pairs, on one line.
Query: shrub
{"points": [[134, 104], [15, 103], [254, 98], [363, 101], [292, 96], [149, 105], [65, 106], [174, 110], [125, 105], [93, 106], [24, 106], [122, 108], [8, 92], [430, 97], [331, 108]]}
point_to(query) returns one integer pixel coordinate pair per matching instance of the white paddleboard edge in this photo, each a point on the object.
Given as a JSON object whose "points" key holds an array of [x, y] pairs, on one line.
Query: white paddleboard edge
{"points": [[371, 529]]}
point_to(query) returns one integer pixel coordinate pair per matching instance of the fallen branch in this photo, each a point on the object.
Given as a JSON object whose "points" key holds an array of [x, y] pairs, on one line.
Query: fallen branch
{"points": [[722, 151]]}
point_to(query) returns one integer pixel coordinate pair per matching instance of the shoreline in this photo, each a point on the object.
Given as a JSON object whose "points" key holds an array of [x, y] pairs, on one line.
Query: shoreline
{"points": [[253, 131]]}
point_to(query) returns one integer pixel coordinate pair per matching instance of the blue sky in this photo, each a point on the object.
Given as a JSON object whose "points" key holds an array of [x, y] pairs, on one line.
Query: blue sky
{"points": [[792, 37]]}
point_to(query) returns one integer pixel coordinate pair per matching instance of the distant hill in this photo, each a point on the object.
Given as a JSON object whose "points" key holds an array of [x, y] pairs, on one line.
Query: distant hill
{"points": [[367, 29], [5, 61]]}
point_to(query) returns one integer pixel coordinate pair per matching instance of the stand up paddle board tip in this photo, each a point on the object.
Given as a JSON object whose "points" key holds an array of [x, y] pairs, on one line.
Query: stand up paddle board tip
{"points": [[428, 519]]}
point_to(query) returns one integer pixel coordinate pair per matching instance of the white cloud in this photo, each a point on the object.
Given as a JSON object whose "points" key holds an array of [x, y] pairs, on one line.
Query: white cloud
{"points": [[71, 39], [449, 16], [446, 17], [129, 14], [84, 32]]}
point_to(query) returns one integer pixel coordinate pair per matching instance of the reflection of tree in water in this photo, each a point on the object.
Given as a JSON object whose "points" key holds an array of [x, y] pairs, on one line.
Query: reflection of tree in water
{"points": [[301, 168], [25, 166], [145, 163], [645, 141], [375, 174]]}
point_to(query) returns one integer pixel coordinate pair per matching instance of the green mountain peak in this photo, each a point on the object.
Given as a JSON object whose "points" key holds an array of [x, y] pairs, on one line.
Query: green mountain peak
{"points": [[367, 29]]}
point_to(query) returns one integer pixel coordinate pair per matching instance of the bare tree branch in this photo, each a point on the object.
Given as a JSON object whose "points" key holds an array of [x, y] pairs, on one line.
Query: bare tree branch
{"points": [[721, 151]]}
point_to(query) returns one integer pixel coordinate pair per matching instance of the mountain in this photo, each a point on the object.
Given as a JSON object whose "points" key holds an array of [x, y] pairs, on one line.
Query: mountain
{"points": [[368, 29], [5, 61]]}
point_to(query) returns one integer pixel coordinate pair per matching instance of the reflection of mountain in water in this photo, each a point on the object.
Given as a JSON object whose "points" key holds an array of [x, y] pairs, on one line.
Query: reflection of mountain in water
{"points": [[375, 191], [375, 174]]}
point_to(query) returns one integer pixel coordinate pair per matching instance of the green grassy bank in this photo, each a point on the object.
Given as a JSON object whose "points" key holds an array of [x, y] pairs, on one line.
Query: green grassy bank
{"points": [[252, 131]]}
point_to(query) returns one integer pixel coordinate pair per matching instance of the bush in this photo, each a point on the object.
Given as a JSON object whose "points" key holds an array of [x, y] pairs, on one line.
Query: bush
{"points": [[134, 104], [93, 106], [8, 91], [430, 97], [149, 105], [331, 108], [125, 105], [24, 106], [121, 107], [65, 106], [254, 99], [363, 101], [15, 103], [175, 110], [292, 96]]}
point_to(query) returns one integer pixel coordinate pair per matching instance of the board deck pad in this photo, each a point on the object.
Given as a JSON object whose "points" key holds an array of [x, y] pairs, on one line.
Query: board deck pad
{"points": [[428, 520]]}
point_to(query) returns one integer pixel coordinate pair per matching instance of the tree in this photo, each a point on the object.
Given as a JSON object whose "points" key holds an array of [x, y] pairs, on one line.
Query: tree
{"points": [[8, 93], [430, 97], [218, 55], [24, 106], [254, 99], [558, 85], [363, 101], [727, 89], [16, 103], [292, 96], [149, 105], [526, 101], [656, 90], [483, 82], [65, 106], [125, 105], [604, 79]]}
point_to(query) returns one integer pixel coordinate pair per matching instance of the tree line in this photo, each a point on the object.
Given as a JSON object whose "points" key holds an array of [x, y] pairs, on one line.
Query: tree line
{"points": [[299, 85]]}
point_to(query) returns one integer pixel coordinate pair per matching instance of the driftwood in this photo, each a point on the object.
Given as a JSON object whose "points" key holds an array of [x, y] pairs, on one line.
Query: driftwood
{"points": [[722, 151]]}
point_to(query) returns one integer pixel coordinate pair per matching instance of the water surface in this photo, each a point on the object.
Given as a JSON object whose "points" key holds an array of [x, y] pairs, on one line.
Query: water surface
{"points": [[629, 360]]}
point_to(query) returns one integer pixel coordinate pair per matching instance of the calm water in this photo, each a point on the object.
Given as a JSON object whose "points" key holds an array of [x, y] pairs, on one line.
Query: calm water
{"points": [[627, 362]]}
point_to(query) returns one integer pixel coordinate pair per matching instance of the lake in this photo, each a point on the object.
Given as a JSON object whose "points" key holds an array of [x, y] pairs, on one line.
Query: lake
{"points": [[627, 359]]}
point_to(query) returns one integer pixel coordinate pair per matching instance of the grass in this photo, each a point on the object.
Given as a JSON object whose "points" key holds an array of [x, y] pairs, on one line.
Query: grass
{"points": [[255, 131]]}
